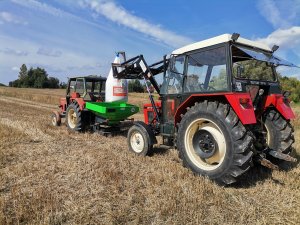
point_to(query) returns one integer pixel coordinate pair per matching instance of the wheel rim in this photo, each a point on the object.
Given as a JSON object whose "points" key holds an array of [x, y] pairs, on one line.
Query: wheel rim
{"points": [[54, 120], [72, 118], [268, 137], [211, 149], [137, 142]]}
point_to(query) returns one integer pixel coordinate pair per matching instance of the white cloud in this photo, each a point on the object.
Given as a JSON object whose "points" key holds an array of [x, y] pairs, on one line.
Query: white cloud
{"points": [[281, 14], [84, 64], [10, 18], [285, 38], [49, 52], [270, 11], [15, 52], [50, 10], [118, 14], [15, 68], [36, 5]]}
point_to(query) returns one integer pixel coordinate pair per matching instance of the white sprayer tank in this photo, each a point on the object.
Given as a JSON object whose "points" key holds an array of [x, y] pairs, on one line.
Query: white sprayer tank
{"points": [[116, 89]]}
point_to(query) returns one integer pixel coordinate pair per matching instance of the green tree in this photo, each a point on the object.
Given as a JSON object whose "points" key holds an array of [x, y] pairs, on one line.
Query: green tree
{"points": [[23, 72], [135, 86], [34, 77], [63, 85], [291, 84], [39, 78], [53, 82]]}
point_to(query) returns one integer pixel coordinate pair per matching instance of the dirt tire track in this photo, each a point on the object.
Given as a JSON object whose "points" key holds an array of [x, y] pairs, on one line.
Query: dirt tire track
{"points": [[27, 103]]}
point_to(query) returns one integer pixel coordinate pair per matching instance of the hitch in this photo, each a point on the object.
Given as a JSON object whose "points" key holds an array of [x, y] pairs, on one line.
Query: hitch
{"points": [[261, 159], [280, 155]]}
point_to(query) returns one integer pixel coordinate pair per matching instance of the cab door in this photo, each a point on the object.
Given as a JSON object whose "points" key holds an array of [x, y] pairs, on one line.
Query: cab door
{"points": [[171, 93]]}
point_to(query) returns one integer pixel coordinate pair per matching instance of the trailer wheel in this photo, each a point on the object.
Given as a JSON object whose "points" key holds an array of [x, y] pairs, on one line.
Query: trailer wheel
{"points": [[55, 119], [280, 133], [74, 117], [139, 141], [213, 142]]}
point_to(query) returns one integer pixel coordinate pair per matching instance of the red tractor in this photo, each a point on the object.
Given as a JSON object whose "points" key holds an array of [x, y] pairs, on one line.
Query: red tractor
{"points": [[79, 91], [220, 104]]}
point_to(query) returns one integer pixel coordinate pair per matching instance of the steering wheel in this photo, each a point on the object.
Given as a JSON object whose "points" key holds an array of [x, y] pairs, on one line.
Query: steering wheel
{"points": [[209, 88], [95, 96]]}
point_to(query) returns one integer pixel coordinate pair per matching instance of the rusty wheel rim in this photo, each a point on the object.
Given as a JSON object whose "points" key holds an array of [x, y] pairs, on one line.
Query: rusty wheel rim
{"points": [[72, 118]]}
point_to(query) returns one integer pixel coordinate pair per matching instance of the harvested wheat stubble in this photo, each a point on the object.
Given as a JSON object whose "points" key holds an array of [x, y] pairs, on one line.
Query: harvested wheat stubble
{"points": [[49, 176]]}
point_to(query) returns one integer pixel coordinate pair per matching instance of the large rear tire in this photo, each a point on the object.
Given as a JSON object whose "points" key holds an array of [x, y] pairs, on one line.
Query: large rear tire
{"points": [[213, 142], [74, 117], [280, 133]]}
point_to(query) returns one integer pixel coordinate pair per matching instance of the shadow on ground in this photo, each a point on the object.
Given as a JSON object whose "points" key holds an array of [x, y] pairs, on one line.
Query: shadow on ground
{"points": [[256, 174]]}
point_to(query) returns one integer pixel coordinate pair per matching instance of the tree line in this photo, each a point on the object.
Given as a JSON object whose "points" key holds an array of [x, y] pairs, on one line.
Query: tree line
{"points": [[35, 78], [38, 78], [293, 85]]}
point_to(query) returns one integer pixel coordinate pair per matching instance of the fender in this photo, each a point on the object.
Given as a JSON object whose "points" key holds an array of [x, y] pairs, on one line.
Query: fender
{"points": [[63, 103], [80, 102], [281, 104], [240, 102], [242, 106]]}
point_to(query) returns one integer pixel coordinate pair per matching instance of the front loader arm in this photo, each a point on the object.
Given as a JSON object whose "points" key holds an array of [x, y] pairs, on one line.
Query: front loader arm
{"points": [[137, 68]]}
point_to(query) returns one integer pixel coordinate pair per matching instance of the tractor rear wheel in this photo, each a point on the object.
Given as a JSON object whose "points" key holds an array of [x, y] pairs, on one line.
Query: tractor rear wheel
{"points": [[280, 133], [74, 117], [213, 142]]}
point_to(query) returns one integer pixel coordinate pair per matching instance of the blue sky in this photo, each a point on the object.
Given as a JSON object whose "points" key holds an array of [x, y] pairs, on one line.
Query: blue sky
{"points": [[80, 37]]}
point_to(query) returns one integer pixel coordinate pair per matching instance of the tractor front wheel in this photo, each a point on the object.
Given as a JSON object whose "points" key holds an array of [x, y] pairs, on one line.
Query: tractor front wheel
{"points": [[74, 117], [213, 142], [138, 139], [55, 119]]}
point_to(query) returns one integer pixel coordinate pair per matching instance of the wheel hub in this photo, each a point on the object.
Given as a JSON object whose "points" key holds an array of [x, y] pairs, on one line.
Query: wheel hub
{"points": [[72, 118], [204, 144], [137, 142]]}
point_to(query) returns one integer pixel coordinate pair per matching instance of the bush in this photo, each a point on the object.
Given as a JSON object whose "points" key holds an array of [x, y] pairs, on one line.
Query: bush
{"points": [[135, 86]]}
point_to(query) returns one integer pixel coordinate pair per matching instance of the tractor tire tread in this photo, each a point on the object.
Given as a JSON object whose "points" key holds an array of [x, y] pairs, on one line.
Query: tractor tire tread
{"points": [[242, 140], [283, 129]]}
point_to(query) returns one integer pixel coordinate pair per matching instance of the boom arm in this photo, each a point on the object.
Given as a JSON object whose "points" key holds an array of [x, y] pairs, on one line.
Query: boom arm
{"points": [[137, 68]]}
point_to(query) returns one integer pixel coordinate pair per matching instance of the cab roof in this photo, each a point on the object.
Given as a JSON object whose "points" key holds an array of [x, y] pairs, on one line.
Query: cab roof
{"points": [[218, 40], [90, 78]]}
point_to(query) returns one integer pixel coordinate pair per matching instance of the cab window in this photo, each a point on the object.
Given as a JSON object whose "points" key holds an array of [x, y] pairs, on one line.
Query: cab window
{"points": [[172, 83], [206, 71], [79, 86]]}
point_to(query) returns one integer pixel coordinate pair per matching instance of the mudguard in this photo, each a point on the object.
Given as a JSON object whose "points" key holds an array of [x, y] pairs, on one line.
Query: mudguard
{"points": [[245, 111], [281, 104], [240, 102]]}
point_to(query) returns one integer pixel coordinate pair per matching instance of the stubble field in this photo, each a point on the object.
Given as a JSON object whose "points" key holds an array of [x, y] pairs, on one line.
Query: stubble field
{"points": [[50, 176]]}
